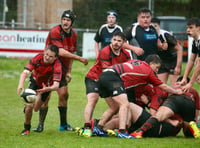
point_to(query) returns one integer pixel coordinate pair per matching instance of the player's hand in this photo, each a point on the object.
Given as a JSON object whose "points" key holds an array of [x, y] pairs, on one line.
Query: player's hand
{"points": [[177, 70], [139, 51], [183, 82], [42, 90], [83, 60], [164, 45], [187, 87], [68, 77], [19, 90]]}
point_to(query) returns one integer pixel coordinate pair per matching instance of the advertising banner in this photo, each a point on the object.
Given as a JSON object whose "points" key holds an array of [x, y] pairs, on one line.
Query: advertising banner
{"points": [[22, 43]]}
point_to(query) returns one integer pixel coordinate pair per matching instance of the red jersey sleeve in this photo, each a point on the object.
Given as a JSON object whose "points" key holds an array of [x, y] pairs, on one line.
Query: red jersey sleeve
{"points": [[57, 73], [153, 79]]}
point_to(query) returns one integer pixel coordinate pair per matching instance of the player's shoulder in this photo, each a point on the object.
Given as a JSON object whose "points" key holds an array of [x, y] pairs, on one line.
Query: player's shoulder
{"points": [[73, 31], [37, 58], [106, 49]]}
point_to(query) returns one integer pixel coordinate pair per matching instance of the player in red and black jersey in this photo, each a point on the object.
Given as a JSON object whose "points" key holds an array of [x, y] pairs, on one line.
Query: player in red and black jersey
{"points": [[65, 38], [46, 77], [112, 54], [114, 81], [182, 105]]}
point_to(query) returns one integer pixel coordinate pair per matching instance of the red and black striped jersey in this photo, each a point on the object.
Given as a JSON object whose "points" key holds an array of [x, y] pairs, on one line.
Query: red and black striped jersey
{"points": [[57, 36], [136, 72], [44, 73], [105, 59]]}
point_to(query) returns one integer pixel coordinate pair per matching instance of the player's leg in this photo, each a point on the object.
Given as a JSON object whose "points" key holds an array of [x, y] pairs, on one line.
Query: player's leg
{"points": [[62, 107], [107, 115], [42, 105], [92, 98], [28, 115], [173, 78], [123, 103]]}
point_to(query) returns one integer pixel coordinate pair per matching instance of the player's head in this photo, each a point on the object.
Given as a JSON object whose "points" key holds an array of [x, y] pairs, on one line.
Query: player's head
{"points": [[50, 54], [120, 34], [144, 17], [155, 22], [67, 19], [117, 40], [194, 21], [193, 27], [112, 17], [154, 61], [69, 14]]}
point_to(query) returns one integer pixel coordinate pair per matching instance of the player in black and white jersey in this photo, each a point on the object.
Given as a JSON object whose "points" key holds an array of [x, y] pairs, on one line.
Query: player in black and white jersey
{"points": [[143, 34], [171, 58], [106, 31]]}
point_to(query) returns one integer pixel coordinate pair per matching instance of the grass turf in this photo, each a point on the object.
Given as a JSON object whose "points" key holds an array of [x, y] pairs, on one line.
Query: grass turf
{"points": [[12, 116]]}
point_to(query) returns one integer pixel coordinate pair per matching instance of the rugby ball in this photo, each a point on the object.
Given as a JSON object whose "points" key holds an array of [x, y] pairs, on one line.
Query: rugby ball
{"points": [[28, 96]]}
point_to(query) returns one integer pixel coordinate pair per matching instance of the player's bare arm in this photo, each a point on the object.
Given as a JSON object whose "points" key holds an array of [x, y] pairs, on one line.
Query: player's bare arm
{"points": [[67, 54], [23, 77], [177, 69], [194, 76], [137, 50]]}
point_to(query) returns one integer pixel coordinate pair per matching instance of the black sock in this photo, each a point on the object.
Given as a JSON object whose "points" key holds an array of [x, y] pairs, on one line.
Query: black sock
{"points": [[27, 126], [63, 112]]}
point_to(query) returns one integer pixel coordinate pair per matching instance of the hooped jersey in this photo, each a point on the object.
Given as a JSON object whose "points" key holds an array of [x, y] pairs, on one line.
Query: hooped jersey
{"points": [[105, 59], [105, 33], [136, 72], [44, 73], [57, 36]]}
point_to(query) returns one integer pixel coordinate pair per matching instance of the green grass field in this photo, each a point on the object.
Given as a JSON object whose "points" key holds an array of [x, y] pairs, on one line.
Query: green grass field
{"points": [[12, 117]]}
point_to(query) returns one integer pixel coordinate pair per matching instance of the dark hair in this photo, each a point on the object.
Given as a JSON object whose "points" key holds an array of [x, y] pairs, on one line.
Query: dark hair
{"points": [[121, 34], [144, 10], [112, 12], [53, 48], [154, 58], [69, 14], [180, 79], [194, 21], [155, 20]]}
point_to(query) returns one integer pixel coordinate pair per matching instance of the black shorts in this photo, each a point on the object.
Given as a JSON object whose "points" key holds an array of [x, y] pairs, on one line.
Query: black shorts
{"points": [[110, 85], [131, 95], [181, 105], [33, 85], [167, 67], [91, 86]]}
